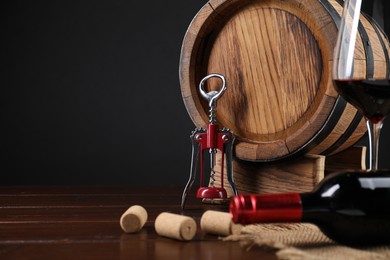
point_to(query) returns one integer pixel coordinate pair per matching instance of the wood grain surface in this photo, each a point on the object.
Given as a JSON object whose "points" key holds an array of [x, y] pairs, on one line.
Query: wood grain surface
{"points": [[299, 175], [277, 60], [67, 222]]}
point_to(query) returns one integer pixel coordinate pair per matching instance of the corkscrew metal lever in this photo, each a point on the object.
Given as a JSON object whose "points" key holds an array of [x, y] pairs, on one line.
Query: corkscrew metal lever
{"points": [[212, 139]]}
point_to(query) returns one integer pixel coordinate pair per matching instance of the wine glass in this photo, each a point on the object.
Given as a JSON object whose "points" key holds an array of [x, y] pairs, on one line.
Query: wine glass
{"points": [[361, 64]]}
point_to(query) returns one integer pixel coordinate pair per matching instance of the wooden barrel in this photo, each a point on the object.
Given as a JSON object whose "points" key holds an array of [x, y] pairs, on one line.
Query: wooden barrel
{"points": [[276, 56]]}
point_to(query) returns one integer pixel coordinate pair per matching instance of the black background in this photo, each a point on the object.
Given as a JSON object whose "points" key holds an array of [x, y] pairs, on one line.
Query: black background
{"points": [[90, 93]]}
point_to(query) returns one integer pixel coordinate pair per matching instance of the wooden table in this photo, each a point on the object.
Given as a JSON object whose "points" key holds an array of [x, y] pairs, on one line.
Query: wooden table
{"points": [[70, 222]]}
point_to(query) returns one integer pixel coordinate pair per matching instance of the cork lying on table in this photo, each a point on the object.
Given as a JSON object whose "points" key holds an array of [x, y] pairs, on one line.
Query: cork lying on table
{"points": [[133, 219], [219, 223], [175, 226]]}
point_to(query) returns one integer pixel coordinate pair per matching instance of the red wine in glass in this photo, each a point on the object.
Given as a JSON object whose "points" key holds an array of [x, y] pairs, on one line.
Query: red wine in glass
{"points": [[370, 97]]}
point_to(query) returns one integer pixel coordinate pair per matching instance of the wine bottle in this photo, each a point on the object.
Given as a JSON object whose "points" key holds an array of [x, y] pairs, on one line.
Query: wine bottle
{"points": [[351, 208]]}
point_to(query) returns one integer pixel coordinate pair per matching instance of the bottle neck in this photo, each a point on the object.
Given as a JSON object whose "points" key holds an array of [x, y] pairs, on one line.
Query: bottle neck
{"points": [[313, 207], [285, 207]]}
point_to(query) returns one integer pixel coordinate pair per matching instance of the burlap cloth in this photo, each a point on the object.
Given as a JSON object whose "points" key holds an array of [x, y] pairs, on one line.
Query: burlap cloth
{"points": [[302, 241]]}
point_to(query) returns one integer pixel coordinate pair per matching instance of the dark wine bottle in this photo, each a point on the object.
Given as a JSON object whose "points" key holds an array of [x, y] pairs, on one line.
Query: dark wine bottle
{"points": [[351, 208]]}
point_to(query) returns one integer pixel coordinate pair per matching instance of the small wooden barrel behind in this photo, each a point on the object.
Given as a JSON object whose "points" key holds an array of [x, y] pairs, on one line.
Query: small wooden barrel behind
{"points": [[276, 56]]}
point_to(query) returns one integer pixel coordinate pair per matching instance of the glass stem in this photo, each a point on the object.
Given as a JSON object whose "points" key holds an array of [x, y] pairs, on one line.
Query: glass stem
{"points": [[374, 130]]}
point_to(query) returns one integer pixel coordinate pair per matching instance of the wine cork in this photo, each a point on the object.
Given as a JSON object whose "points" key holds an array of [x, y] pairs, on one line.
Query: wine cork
{"points": [[133, 219], [175, 226], [219, 223]]}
